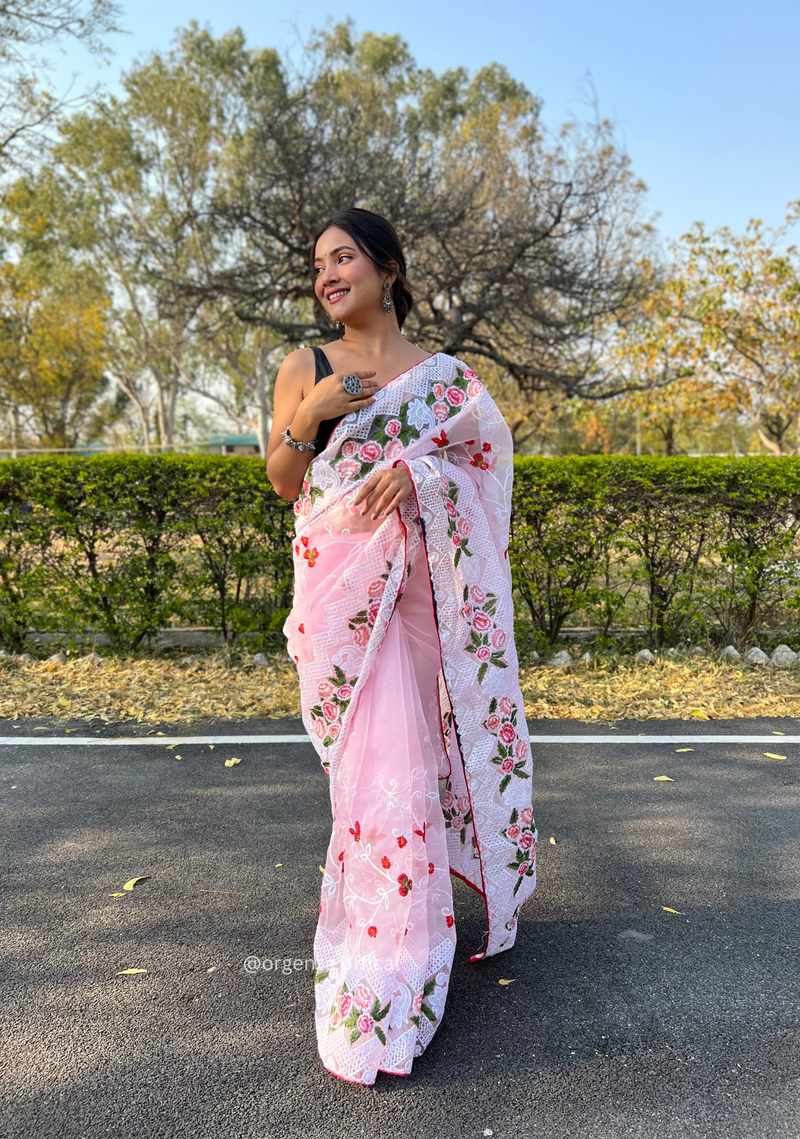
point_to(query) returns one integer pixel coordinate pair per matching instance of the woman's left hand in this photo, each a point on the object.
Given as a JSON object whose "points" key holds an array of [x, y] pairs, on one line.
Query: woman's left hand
{"points": [[384, 491]]}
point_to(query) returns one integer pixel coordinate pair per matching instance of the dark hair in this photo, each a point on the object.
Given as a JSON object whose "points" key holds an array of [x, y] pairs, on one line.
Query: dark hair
{"points": [[378, 240]]}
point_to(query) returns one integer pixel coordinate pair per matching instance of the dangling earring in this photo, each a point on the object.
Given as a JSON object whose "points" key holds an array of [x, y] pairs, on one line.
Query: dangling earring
{"points": [[387, 300]]}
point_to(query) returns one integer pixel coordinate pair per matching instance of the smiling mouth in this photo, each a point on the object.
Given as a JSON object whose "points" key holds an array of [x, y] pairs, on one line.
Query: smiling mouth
{"points": [[337, 296]]}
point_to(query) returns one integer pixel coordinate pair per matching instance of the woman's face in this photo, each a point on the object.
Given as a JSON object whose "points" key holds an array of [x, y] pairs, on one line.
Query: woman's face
{"points": [[346, 280]]}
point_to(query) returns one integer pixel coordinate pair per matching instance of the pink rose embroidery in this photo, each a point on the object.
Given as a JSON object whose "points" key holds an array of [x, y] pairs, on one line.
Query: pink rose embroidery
{"points": [[477, 594], [376, 588], [468, 375], [393, 450], [508, 733], [455, 397], [526, 840], [474, 388], [456, 822], [306, 486], [320, 728], [451, 508], [463, 804], [440, 411], [298, 506], [372, 612], [370, 452], [360, 635], [481, 622], [521, 749], [513, 831], [483, 652], [362, 996], [324, 688], [348, 468], [498, 640], [438, 391], [493, 723], [345, 692], [349, 448], [393, 428], [506, 707], [418, 1003], [507, 766], [345, 1001], [329, 710], [306, 507], [449, 800], [456, 539], [333, 730], [364, 1023], [526, 814], [464, 527], [523, 868]]}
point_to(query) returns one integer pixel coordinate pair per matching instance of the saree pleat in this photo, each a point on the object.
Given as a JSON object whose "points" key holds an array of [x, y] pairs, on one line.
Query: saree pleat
{"points": [[386, 936]]}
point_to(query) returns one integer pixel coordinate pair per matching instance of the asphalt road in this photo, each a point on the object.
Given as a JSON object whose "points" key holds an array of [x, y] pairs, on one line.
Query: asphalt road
{"points": [[623, 1021]]}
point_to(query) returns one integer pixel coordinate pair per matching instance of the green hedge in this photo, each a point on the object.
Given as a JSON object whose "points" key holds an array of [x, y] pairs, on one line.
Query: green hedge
{"points": [[127, 544]]}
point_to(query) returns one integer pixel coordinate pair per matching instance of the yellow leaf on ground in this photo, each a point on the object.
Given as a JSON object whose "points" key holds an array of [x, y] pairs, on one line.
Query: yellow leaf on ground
{"points": [[171, 746], [677, 749], [698, 714], [122, 895], [129, 885], [664, 778], [322, 869], [211, 746], [671, 911], [552, 841], [778, 733], [125, 972], [230, 762], [503, 981], [277, 864], [771, 755]]}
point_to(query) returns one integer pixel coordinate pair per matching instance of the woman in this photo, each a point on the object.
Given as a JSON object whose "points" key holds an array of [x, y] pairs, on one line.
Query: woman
{"points": [[402, 632]]}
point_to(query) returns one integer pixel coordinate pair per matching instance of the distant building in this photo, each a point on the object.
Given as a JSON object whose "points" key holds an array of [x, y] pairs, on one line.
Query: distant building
{"points": [[233, 444]]}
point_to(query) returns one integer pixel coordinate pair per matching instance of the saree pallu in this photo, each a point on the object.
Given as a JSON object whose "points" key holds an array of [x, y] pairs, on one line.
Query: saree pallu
{"points": [[402, 630]]}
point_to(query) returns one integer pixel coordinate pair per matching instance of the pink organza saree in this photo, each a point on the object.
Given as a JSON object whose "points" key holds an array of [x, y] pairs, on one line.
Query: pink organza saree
{"points": [[402, 630]]}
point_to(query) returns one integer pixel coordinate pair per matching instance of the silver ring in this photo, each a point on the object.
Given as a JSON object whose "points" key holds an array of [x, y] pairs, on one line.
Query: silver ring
{"points": [[352, 384]]}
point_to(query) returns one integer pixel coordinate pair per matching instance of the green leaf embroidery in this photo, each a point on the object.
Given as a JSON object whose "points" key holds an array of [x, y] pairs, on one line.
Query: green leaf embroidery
{"points": [[379, 1034]]}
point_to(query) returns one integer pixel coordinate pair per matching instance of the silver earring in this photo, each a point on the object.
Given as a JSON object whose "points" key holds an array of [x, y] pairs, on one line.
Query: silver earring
{"points": [[387, 300]]}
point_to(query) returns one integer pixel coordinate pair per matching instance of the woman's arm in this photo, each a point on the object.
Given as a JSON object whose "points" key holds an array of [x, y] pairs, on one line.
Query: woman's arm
{"points": [[286, 467]]}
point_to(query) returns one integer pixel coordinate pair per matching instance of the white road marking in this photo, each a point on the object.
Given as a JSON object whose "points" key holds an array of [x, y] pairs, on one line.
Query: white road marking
{"points": [[185, 741]]}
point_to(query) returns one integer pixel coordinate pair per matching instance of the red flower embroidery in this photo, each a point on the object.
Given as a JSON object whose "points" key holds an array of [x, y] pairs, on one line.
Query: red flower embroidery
{"points": [[478, 460], [405, 884], [300, 629], [296, 548], [311, 556], [441, 440], [449, 920], [340, 856], [430, 868], [468, 442], [304, 540], [373, 931], [422, 832], [401, 842], [385, 863], [487, 446], [356, 831]]}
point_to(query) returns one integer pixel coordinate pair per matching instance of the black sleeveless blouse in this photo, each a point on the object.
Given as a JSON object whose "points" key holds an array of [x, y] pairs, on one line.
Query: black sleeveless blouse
{"points": [[322, 366]]}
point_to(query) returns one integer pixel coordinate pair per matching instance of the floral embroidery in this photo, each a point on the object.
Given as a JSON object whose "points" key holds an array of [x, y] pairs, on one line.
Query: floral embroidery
{"points": [[361, 624], [486, 641], [335, 694], [457, 812], [372, 931], [458, 528], [520, 834], [512, 752], [405, 884], [391, 435], [305, 501], [401, 840], [356, 831], [348, 1011], [421, 1005], [386, 863]]}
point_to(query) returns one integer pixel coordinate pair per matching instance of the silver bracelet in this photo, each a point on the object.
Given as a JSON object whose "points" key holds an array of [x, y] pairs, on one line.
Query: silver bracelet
{"points": [[296, 443]]}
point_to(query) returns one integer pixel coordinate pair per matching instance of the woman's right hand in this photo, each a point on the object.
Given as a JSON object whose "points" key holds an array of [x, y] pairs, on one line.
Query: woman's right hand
{"points": [[329, 400]]}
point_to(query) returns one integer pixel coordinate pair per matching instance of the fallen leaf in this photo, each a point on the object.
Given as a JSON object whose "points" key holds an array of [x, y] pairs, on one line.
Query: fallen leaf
{"points": [[771, 755], [277, 864], [129, 885], [171, 746], [663, 778], [671, 911], [698, 714], [230, 762], [322, 869], [552, 841], [503, 981], [179, 757], [211, 746], [778, 733], [118, 895], [159, 733], [125, 972], [677, 749]]}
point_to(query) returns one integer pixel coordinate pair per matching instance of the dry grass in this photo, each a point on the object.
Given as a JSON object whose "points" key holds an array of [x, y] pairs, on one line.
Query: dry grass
{"points": [[163, 690]]}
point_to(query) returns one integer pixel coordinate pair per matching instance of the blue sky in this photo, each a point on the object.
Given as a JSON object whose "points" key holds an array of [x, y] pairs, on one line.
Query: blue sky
{"points": [[706, 94]]}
